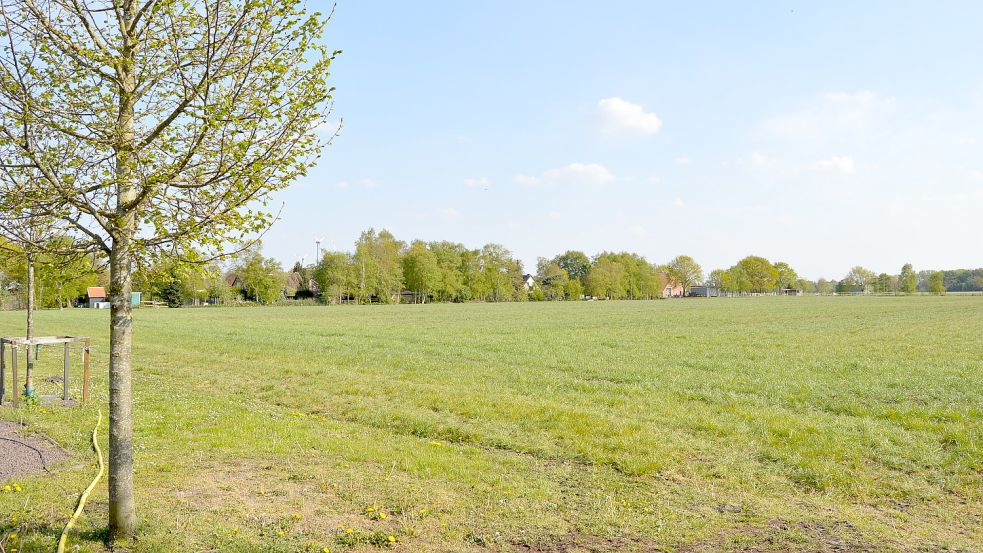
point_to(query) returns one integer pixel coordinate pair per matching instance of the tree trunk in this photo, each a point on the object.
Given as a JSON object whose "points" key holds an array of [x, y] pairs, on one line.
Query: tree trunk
{"points": [[122, 516], [122, 504], [29, 373]]}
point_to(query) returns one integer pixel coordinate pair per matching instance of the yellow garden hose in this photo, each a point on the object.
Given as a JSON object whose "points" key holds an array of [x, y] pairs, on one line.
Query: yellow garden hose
{"points": [[85, 494]]}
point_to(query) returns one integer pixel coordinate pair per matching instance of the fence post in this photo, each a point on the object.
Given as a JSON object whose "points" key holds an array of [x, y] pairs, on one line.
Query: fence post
{"points": [[64, 381], [13, 367], [3, 371]]}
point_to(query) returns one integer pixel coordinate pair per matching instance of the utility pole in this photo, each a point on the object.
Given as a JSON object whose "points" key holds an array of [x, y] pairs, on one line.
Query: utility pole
{"points": [[317, 253]]}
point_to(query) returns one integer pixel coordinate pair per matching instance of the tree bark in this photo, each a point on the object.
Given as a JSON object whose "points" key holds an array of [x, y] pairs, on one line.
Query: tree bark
{"points": [[29, 373], [122, 504]]}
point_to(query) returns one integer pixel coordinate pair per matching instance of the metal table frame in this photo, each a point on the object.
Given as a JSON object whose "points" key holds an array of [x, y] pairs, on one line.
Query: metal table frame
{"points": [[18, 343]]}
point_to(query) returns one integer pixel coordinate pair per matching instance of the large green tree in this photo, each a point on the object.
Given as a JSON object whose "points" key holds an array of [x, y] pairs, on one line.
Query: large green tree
{"points": [[575, 263], [378, 268], [421, 271], [263, 279], [754, 274], [786, 277], [908, 279], [607, 279], [334, 276], [936, 283], [156, 126], [450, 262], [860, 279], [685, 270], [553, 279]]}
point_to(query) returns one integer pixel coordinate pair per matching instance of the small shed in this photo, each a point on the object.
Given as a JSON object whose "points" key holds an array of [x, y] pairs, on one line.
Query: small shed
{"points": [[704, 292], [96, 297]]}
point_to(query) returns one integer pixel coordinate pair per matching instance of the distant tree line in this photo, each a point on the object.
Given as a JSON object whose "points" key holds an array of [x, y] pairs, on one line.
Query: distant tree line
{"points": [[383, 269]]}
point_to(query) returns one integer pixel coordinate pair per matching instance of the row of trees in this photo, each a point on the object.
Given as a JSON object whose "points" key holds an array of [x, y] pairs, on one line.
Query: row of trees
{"points": [[861, 280], [386, 270]]}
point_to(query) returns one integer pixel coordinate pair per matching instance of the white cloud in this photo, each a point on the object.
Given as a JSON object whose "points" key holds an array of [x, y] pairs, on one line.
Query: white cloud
{"points": [[526, 180], [585, 174], [555, 215], [368, 183], [477, 183], [342, 184], [653, 180], [840, 164], [682, 160], [637, 230], [678, 203], [580, 173], [618, 115], [515, 227]]}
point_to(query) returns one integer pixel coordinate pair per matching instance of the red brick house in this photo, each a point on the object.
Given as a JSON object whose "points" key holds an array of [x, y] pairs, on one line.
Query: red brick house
{"points": [[670, 288]]}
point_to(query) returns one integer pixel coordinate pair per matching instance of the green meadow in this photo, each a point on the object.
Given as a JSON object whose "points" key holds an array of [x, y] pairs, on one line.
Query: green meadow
{"points": [[757, 424]]}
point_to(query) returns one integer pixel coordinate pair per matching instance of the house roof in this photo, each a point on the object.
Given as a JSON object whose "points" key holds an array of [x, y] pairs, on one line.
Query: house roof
{"points": [[95, 292], [231, 280], [294, 280]]}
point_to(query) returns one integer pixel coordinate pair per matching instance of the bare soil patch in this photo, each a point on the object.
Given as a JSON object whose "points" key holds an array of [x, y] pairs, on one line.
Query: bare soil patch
{"points": [[22, 455]]}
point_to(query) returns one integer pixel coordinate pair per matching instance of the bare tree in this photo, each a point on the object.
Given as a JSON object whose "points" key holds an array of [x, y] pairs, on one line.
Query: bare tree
{"points": [[157, 127]]}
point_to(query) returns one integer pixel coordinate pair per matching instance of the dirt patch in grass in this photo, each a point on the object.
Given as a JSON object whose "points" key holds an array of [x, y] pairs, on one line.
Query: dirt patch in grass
{"points": [[583, 543], [780, 535], [23, 456]]}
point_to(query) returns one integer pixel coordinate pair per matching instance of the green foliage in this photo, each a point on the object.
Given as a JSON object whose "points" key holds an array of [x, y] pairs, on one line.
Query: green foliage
{"points": [[786, 277], [908, 280], [172, 295], [860, 280], [936, 284], [753, 274], [552, 280], [685, 270], [218, 290], [421, 271], [607, 279], [262, 278], [59, 279], [575, 263], [334, 276], [377, 267], [573, 290]]}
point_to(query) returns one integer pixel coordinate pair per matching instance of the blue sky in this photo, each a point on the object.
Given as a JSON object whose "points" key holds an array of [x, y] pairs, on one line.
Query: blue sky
{"points": [[822, 135]]}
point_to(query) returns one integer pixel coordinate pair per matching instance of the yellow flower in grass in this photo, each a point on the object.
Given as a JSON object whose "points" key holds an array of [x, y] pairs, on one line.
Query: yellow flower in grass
{"points": [[12, 537], [7, 488], [350, 531], [295, 516], [325, 550], [382, 515], [280, 533], [392, 539]]}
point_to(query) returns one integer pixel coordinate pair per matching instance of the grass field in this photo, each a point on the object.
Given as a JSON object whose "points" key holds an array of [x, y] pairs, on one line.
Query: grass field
{"points": [[760, 424]]}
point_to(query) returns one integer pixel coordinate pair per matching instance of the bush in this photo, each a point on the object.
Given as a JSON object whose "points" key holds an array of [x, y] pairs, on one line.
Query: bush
{"points": [[171, 294]]}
